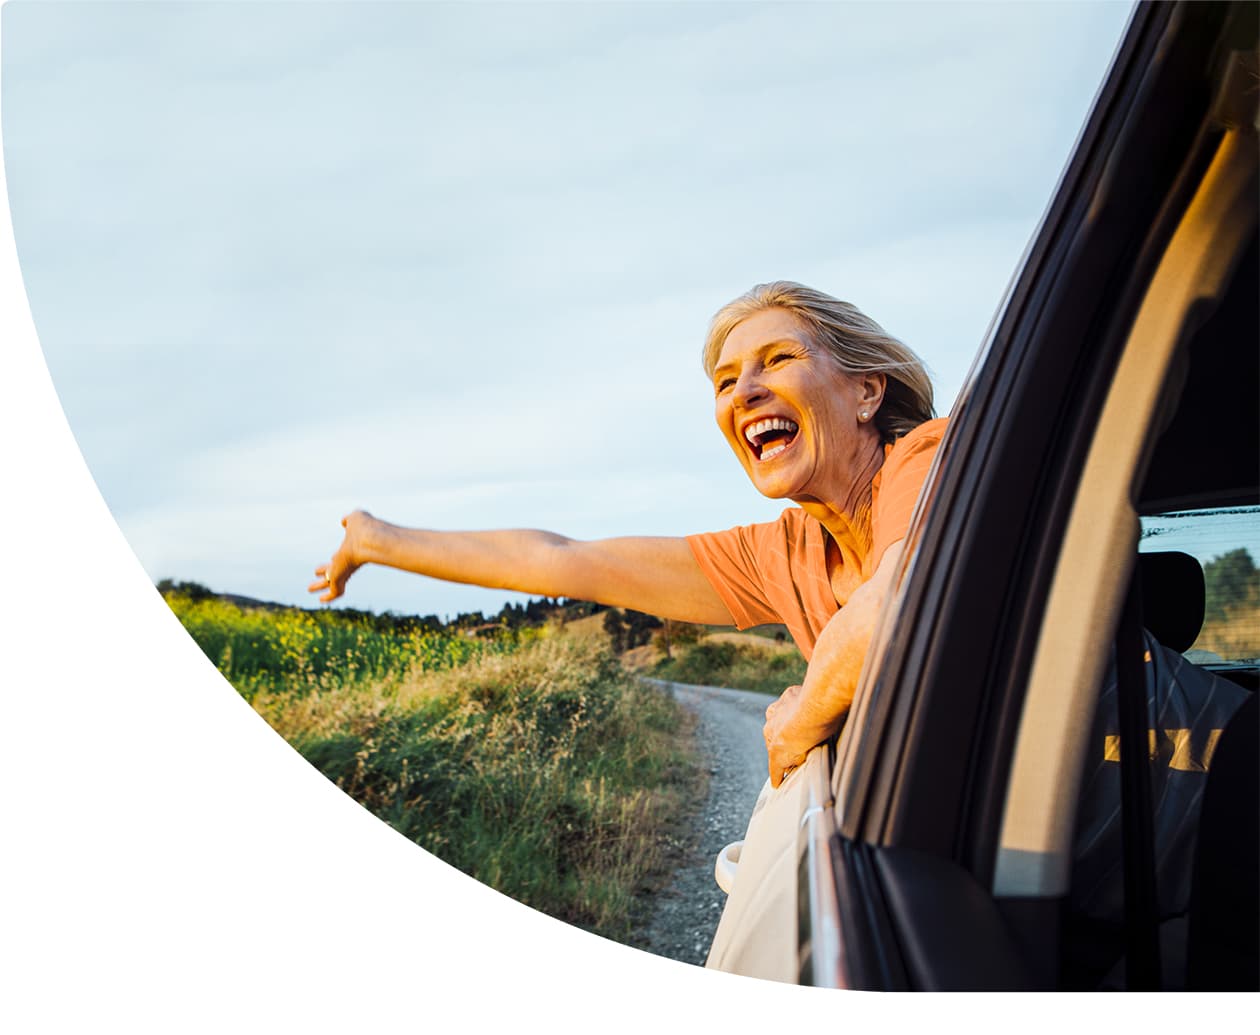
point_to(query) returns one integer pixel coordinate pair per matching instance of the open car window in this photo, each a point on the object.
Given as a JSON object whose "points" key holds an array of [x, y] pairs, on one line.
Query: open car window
{"points": [[1226, 543]]}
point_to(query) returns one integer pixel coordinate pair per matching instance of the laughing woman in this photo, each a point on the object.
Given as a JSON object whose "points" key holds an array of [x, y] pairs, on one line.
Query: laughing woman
{"points": [[821, 407]]}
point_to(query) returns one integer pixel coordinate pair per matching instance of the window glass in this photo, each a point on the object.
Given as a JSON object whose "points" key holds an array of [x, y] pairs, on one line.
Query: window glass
{"points": [[1226, 542]]}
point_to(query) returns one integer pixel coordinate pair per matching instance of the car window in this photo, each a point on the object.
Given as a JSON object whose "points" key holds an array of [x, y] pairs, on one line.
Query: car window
{"points": [[1226, 543]]}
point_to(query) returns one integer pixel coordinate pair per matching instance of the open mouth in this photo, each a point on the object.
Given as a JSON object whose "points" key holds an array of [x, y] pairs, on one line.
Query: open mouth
{"points": [[771, 436]]}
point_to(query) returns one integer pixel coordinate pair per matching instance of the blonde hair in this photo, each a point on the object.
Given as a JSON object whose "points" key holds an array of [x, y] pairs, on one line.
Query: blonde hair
{"points": [[855, 341]]}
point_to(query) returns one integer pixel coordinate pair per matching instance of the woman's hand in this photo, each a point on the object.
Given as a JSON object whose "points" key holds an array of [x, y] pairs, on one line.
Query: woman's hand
{"points": [[812, 713], [791, 731], [349, 558]]}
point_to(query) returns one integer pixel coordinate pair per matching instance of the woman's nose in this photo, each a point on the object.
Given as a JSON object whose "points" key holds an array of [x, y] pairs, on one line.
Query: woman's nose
{"points": [[749, 390]]}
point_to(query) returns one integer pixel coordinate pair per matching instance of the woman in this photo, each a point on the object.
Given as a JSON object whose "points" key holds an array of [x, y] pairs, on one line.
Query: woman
{"points": [[821, 407]]}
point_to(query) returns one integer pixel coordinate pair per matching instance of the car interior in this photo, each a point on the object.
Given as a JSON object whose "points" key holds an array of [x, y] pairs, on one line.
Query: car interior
{"points": [[1204, 469], [1172, 456]]}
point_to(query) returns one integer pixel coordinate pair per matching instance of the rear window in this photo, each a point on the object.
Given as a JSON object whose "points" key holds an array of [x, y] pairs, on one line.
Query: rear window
{"points": [[1226, 543]]}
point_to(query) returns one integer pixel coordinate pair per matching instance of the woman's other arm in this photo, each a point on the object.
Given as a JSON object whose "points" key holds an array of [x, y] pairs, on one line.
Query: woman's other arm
{"points": [[807, 715], [657, 575]]}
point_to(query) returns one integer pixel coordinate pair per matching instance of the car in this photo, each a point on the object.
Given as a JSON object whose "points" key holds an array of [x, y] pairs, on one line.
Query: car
{"points": [[1111, 415]]}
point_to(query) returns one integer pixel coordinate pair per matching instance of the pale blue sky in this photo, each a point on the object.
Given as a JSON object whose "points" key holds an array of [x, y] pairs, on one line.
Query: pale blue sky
{"points": [[453, 262]]}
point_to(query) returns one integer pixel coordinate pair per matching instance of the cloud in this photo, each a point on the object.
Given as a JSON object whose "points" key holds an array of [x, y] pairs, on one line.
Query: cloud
{"points": [[315, 254]]}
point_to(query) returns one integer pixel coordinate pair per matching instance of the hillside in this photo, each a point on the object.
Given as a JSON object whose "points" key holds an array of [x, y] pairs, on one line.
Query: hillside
{"points": [[763, 658]]}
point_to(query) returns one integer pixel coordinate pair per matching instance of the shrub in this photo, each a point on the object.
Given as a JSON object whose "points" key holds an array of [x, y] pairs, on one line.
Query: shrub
{"points": [[548, 773], [744, 666]]}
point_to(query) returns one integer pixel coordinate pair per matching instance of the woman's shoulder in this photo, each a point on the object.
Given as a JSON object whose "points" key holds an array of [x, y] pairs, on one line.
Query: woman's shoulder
{"points": [[924, 436], [794, 539], [907, 460]]}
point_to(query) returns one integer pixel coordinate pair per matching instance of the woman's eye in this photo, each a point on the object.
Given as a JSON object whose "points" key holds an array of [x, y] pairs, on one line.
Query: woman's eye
{"points": [[724, 384], [777, 357]]}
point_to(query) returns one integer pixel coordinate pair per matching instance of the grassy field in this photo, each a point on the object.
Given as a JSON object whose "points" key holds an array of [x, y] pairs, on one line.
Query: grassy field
{"points": [[546, 772], [531, 760], [736, 660], [260, 648], [709, 655]]}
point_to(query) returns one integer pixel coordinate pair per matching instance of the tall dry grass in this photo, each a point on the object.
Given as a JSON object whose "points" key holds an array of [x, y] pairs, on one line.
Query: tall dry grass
{"points": [[548, 773]]}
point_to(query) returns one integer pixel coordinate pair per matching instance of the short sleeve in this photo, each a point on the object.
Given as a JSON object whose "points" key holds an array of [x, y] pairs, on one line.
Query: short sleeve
{"points": [[730, 561], [774, 572]]}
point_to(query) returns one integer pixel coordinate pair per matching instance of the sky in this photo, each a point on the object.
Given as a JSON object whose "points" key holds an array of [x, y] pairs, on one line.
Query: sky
{"points": [[453, 262]]}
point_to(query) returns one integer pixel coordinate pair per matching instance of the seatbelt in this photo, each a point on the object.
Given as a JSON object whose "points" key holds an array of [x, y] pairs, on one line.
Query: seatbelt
{"points": [[1141, 916]]}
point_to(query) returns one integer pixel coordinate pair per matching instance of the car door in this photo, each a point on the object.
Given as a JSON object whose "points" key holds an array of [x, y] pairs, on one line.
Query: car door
{"points": [[936, 851]]}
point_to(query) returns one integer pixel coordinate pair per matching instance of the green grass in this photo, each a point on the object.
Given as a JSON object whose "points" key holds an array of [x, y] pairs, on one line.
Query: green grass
{"points": [[257, 648], [743, 666], [548, 773], [530, 761]]}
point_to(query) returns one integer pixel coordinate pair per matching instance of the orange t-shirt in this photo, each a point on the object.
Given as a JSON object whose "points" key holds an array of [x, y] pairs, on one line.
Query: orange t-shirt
{"points": [[777, 572]]}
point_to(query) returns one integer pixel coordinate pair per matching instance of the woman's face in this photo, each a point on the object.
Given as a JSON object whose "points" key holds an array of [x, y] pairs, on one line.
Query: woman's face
{"points": [[791, 414]]}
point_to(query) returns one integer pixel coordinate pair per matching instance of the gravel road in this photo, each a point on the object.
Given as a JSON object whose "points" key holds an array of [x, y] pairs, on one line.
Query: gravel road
{"points": [[686, 910]]}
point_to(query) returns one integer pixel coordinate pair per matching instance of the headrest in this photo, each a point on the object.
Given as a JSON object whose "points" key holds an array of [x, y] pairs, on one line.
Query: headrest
{"points": [[1172, 598]]}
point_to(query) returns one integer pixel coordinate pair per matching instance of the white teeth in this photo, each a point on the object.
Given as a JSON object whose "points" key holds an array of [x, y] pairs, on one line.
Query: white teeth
{"points": [[773, 451], [769, 424]]}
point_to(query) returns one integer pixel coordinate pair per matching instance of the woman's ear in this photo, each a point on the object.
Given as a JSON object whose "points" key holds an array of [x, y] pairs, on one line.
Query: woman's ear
{"points": [[872, 392]]}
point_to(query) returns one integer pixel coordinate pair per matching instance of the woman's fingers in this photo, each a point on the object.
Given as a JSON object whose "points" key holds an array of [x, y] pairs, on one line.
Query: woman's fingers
{"points": [[786, 744], [326, 584], [783, 760], [333, 575]]}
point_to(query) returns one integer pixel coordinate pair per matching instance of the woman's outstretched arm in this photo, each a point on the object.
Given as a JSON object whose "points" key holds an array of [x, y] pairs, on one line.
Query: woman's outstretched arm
{"points": [[657, 575]]}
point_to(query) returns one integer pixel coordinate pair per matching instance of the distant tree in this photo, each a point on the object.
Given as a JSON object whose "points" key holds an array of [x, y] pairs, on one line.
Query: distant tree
{"points": [[191, 590], [675, 634], [510, 616], [639, 627], [570, 610], [468, 620], [616, 629], [686, 633], [1230, 580]]}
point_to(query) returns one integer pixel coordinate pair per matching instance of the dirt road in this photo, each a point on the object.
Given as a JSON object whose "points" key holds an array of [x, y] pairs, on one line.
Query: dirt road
{"points": [[729, 722]]}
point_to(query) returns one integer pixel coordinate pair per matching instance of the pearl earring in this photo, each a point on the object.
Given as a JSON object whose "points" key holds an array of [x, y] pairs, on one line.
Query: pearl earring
{"points": [[864, 415]]}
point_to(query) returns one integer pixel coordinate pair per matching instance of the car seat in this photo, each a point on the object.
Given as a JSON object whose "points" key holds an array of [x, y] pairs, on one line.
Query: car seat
{"points": [[1172, 603], [1223, 950], [1223, 937]]}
